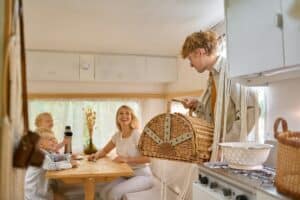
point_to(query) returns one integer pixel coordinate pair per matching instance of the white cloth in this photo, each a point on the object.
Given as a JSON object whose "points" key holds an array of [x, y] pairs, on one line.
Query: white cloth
{"points": [[115, 190], [37, 187], [142, 178], [128, 146]]}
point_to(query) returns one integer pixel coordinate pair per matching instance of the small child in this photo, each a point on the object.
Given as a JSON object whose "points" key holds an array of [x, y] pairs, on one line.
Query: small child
{"points": [[36, 185], [45, 120]]}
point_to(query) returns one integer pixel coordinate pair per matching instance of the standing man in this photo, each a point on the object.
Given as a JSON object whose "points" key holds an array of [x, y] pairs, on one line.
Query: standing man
{"points": [[221, 101]]}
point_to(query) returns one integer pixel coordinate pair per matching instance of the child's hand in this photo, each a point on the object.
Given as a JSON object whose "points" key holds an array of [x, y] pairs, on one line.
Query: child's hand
{"points": [[74, 163], [74, 156]]}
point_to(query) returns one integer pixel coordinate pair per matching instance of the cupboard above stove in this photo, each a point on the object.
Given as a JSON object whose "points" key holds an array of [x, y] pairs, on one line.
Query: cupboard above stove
{"points": [[263, 40]]}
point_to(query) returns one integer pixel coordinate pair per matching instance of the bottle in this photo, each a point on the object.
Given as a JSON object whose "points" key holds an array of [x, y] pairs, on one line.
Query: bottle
{"points": [[68, 135]]}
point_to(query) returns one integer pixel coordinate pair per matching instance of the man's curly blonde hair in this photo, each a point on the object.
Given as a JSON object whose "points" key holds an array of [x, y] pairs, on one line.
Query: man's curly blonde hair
{"points": [[207, 40]]}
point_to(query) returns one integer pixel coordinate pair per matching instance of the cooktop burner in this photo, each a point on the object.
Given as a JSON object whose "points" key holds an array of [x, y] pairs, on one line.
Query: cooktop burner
{"points": [[264, 177]]}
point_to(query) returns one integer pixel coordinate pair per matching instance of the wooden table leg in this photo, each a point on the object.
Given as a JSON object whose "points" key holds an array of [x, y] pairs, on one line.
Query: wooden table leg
{"points": [[89, 189]]}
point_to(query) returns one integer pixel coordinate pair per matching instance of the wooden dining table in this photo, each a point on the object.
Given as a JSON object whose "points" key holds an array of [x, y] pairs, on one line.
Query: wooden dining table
{"points": [[90, 172]]}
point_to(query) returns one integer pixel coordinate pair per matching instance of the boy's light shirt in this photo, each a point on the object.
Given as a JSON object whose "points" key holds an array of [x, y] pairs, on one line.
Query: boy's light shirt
{"points": [[55, 161]]}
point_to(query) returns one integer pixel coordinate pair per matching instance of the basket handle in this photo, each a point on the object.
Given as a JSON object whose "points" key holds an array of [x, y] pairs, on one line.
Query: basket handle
{"points": [[169, 103], [284, 126]]}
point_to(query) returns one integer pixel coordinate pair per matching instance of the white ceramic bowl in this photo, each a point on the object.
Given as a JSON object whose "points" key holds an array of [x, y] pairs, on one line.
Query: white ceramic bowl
{"points": [[241, 155]]}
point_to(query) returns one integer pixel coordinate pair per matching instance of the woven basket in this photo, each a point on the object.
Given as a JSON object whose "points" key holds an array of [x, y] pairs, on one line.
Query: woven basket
{"points": [[287, 178], [177, 137]]}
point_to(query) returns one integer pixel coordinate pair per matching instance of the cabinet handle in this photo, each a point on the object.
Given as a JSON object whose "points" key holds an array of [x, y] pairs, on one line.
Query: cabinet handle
{"points": [[279, 20]]}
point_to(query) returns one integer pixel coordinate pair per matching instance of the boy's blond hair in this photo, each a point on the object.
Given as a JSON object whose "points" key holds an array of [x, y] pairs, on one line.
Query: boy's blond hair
{"points": [[40, 117], [45, 133], [207, 40]]}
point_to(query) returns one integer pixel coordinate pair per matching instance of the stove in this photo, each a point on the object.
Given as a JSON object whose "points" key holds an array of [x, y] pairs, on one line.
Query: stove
{"points": [[219, 181], [262, 177]]}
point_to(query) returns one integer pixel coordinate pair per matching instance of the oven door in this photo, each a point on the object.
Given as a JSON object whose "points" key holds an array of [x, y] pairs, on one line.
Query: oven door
{"points": [[204, 192]]}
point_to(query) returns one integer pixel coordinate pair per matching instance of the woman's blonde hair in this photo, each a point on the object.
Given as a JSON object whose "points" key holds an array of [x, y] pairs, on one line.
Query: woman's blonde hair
{"points": [[40, 117], [207, 40], [134, 121]]}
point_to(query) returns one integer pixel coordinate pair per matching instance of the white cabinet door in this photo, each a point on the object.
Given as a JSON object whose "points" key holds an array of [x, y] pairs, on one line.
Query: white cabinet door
{"points": [[86, 67], [126, 68], [254, 41], [291, 31], [119, 68], [52, 66], [161, 69]]}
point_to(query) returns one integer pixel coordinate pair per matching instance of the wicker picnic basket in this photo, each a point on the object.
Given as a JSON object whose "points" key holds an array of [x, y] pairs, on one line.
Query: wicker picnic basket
{"points": [[287, 178], [177, 137]]}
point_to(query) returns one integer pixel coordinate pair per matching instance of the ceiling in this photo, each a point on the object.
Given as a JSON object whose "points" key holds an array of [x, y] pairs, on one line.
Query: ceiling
{"points": [[143, 27]]}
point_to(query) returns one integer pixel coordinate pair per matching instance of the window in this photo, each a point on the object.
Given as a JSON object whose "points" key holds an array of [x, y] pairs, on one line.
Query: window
{"points": [[71, 112]]}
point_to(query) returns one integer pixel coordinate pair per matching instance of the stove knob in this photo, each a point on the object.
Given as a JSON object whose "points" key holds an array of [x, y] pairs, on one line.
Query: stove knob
{"points": [[199, 177], [241, 197], [204, 180], [227, 192], [213, 185]]}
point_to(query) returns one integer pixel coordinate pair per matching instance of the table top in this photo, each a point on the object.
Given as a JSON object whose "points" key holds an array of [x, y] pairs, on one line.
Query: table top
{"points": [[103, 167]]}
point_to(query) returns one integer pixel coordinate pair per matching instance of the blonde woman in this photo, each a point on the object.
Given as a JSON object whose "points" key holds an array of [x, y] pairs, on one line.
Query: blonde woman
{"points": [[221, 102], [125, 140]]}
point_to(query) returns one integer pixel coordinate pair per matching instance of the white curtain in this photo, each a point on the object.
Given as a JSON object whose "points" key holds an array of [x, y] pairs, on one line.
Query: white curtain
{"points": [[71, 112]]}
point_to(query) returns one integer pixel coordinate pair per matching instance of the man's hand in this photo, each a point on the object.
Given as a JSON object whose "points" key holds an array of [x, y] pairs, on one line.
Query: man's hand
{"points": [[190, 103], [121, 159]]}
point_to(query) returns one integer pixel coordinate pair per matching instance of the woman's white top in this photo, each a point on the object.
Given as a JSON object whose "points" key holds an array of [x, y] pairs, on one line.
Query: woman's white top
{"points": [[128, 147]]}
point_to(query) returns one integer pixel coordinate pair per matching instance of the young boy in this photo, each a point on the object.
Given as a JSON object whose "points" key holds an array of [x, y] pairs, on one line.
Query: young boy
{"points": [[45, 120], [36, 185]]}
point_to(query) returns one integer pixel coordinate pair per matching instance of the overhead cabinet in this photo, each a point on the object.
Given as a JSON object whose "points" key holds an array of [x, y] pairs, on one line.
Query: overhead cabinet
{"points": [[62, 66], [86, 67], [118, 68], [262, 35], [291, 31], [52, 66], [161, 69]]}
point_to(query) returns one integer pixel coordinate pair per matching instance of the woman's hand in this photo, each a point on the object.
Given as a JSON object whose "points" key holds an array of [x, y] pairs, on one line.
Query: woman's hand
{"points": [[121, 159], [92, 157], [190, 103]]}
